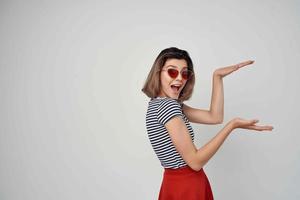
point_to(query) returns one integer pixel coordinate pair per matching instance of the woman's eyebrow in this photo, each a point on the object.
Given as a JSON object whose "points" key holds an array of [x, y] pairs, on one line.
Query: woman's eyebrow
{"points": [[173, 66]]}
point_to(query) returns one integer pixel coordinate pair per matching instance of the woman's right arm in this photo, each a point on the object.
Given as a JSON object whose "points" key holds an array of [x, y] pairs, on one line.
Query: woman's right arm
{"points": [[197, 158]]}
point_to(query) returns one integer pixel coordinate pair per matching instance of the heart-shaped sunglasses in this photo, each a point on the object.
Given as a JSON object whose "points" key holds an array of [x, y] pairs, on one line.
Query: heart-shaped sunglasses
{"points": [[173, 73]]}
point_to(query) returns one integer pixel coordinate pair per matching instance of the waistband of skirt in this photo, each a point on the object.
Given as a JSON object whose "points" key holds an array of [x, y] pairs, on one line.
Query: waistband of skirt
{"points": [[182, 170]]}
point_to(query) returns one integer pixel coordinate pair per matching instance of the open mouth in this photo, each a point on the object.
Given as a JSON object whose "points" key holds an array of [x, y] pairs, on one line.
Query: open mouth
{"points": [[175, 88]]}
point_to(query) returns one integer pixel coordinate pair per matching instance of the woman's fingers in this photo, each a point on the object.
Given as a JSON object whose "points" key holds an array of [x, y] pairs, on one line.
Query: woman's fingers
{"points": [[242, 64], [248, 62], [259, 128]]}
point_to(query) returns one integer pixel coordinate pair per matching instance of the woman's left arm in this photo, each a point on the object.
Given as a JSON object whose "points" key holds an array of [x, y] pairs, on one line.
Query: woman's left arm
{"points": [[217, 99], [215, 114]]}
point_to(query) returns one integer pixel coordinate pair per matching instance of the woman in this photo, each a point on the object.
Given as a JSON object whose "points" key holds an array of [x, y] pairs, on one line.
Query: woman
{"points": [[169, 83]]}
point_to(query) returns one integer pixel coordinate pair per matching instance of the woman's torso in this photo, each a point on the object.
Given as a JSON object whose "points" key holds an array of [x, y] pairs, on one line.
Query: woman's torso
{"points": [[158, 134]]}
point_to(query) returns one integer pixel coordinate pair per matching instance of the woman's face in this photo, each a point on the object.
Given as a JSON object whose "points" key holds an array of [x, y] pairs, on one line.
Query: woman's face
{"points": [[168, 83]]}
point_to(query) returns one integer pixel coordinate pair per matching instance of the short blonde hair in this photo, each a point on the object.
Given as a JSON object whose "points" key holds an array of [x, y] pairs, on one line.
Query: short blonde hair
{"points": [[152, 84]]}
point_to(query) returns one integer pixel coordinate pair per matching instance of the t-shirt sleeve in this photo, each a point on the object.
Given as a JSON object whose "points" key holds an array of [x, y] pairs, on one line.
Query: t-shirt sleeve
{"points": [[167, 109]]}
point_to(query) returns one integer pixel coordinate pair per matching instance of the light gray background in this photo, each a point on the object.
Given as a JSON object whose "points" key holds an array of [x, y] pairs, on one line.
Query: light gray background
{"points": [[73, 114]]}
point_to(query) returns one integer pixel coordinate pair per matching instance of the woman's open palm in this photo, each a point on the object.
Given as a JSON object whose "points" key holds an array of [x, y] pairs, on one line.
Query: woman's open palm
{"points": [[224, 71], [250, 124]]}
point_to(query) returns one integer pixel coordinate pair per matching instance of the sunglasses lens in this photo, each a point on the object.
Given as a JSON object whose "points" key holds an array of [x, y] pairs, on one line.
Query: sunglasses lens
{"points": [[173, 73], [186, 74]]}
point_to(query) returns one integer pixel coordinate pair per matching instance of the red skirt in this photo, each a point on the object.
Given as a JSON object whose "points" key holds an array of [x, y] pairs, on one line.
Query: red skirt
{"points": [[185, 184]]}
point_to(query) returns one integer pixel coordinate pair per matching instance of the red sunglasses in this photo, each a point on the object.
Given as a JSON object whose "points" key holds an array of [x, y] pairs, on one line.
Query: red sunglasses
{"points": [[173, 73]]}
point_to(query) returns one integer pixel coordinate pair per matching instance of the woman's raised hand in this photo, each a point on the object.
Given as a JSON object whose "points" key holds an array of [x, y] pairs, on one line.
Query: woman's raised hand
{"points": [[224, 71], [249, 124]]}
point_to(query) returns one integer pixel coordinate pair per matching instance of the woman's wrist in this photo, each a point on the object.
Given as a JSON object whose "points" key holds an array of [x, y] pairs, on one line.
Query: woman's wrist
{"points": [[231, 125], [216, 74]]}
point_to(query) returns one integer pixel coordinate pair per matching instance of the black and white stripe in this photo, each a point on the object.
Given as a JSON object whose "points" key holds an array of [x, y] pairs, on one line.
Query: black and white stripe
{"points": [[160, 111]]}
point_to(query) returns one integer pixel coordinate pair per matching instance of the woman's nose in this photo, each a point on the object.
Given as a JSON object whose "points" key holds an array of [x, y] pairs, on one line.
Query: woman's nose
{"points": [[179, 77]]}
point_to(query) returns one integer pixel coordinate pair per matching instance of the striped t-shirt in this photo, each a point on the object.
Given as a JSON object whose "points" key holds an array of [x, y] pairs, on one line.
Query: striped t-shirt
{"points": [[160, 111]]}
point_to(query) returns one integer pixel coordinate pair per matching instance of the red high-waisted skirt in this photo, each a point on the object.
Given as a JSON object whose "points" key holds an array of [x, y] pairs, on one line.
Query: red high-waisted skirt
{"points": [[185, 184]]}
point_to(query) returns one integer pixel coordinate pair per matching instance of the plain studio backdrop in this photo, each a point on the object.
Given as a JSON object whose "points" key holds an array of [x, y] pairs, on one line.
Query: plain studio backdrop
{"points": [[73, 114]]}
